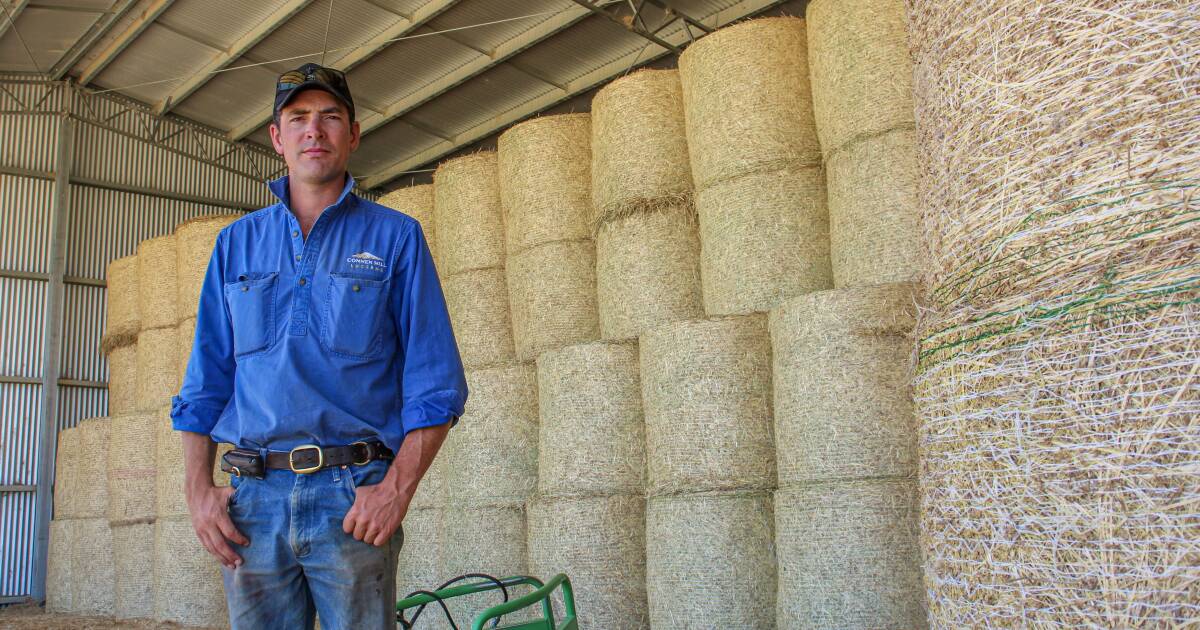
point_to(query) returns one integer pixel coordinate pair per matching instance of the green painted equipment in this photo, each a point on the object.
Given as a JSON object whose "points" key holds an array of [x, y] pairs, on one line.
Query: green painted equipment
{"points": [[540, 595]]}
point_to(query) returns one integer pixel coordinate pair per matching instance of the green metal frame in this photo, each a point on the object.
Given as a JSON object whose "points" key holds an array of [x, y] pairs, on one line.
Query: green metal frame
{"points": [[541, 594]]}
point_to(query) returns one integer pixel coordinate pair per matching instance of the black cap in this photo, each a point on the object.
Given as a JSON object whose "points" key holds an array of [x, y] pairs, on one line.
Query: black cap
{"points": [[310, 76]]}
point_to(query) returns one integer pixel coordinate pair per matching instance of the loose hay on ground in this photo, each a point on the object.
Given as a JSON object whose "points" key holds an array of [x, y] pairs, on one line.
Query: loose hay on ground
{"points": [[157, 368], [479, 313], [545, 180], [552, 294], [156, 282], [469, 222], [194, 242]]}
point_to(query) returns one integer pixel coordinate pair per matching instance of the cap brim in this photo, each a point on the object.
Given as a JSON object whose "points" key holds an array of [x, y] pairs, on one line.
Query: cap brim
{"points": [[309, 85]]}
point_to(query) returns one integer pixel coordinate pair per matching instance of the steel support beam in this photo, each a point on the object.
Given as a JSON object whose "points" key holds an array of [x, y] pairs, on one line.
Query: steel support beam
{"points": [[14, 11], [600, 75], [377, 44], [117, 45], [632, 26], [239, 48], [51, 357], [81, 46], [18, 488]]}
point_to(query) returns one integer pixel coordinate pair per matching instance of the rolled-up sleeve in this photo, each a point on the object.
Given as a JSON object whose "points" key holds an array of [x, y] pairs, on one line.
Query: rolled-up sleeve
{"points": [[432, 383], [208, 381]]}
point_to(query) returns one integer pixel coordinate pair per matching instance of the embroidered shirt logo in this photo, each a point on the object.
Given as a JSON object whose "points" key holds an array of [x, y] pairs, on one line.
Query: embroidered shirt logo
{"points": [[366, 260]]}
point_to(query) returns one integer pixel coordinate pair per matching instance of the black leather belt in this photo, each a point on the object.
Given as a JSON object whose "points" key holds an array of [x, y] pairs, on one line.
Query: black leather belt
{"points": [[309, 458]]}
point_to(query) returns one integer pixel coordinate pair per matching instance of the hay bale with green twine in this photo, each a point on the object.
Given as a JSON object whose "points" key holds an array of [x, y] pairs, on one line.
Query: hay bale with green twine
{"points": [[66, 474], [168, 483], [122, 379], [552, 294], [860, 68], [648, 272], [545, 180], [122, 321], [592, 435], [91, 492], [188, 587], [194, 242], [92, 567], [496, 439], [764, 238], [133, 570], [131, 479], [468, 219], [157, 282], [747, 100], [848, 555], [731, 536], [487, 540], [416, 202], [185, 340], [600, 543], [639, 146], [157, 368], [479, 313], [841, 366], [59, 596], [706, 394]]}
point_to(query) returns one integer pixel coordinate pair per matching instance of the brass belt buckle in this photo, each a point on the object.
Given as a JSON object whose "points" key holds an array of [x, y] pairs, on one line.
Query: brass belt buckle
{"points": [[367, 448], [308, 469]]}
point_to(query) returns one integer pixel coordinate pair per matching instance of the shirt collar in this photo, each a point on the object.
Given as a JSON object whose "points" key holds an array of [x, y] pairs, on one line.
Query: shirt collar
{"points": [[279, 188]]}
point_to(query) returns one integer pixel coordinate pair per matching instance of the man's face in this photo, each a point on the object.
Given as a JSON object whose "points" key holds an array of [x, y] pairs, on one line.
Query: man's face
{"points": [[315, 137]]}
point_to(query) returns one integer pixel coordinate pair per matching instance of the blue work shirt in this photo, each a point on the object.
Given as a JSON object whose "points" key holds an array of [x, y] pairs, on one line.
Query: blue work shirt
{"points": [[340, 337]]}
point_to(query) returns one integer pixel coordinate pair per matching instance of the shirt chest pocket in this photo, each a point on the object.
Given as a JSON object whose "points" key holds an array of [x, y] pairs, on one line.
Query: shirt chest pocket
{"points": [[352, 313], [251, 303]]}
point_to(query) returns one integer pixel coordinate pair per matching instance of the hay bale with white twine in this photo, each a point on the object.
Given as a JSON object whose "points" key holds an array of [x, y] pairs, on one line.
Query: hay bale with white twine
{"points": [[194, 242], [188, 587], [479, 313], [169, 496], [545, 180], [157, 368], [130, 475], [133, 574], [467, 215], [639, 146], [710, 561], [419, 566], [416, 202], [91, 492], [121, 323], [493, 458], [848, 556], [648, 271], [552, 294], [706, 393], [122, 379], [487, 540], [747, 100], [185, 340], [157, 282], [841, 365], [59, 595], [66, 474], [600, 544], [92, 573], [860, 68], [592, 436], [764, 238], [874, 217]]}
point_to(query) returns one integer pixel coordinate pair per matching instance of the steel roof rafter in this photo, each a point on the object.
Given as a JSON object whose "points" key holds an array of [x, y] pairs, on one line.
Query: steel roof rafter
{"points": [[122, 41], [9, 17], [81, 46]]}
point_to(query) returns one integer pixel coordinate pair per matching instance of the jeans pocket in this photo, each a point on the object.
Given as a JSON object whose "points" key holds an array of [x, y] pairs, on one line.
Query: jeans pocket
{"points": [[352, 309], [251, 302]]}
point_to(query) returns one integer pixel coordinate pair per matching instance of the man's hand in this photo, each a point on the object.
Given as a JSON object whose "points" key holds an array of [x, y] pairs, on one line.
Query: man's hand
{"points": [[210, 519], [376, 514]]}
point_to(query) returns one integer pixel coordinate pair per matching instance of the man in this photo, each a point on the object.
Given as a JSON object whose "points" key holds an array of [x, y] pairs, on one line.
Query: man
{"points": [[323, 351]]}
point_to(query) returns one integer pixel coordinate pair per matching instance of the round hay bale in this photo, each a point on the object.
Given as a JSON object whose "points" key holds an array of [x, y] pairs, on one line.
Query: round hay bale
{"points": [[91, 492], [545, 180], [133, 575], [419, 566], [841, 364], [157, 282], [66, 474], [592, 435], [648, 272], [92, 591], [600, 544], [873, 213], [747, 101], [122, 322], [122, 379], [416, 202], [185, 339], [639, 146], [188, 587], [763, 238], [59, 595], [169, 497], [130, 477], [487, 540], [431, 492], [478, 305], [157, 368], [194, 241], [860, 68], [552, 294], [495, 440], [466, 212], [848, 555], [706, 392], [710, 561]]}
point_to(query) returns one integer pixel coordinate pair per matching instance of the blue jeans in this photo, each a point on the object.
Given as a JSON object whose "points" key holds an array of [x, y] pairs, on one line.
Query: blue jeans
{"points": [[299, 562]]}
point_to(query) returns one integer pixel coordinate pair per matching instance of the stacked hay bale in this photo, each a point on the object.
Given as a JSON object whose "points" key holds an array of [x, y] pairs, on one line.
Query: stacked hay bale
{"points": [[845, 511], [59, 593], [647, 239], [756, 165], [416, 202], [588, 519], [862, 100], [706, 392], [545, 190], [1056, 380], [131, 512], [119, 343], [194, 242], [157, 367]]}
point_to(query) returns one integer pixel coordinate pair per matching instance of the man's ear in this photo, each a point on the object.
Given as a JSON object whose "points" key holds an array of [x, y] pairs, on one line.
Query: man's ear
{"points": [[276, 141], [355, 136]]}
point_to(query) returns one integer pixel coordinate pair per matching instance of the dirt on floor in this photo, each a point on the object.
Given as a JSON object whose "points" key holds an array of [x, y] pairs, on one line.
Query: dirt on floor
{"points": [[34, 617]]}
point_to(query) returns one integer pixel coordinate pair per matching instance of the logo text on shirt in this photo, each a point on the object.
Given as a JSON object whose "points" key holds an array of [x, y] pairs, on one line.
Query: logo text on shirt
{"points": [[366, 260]]}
